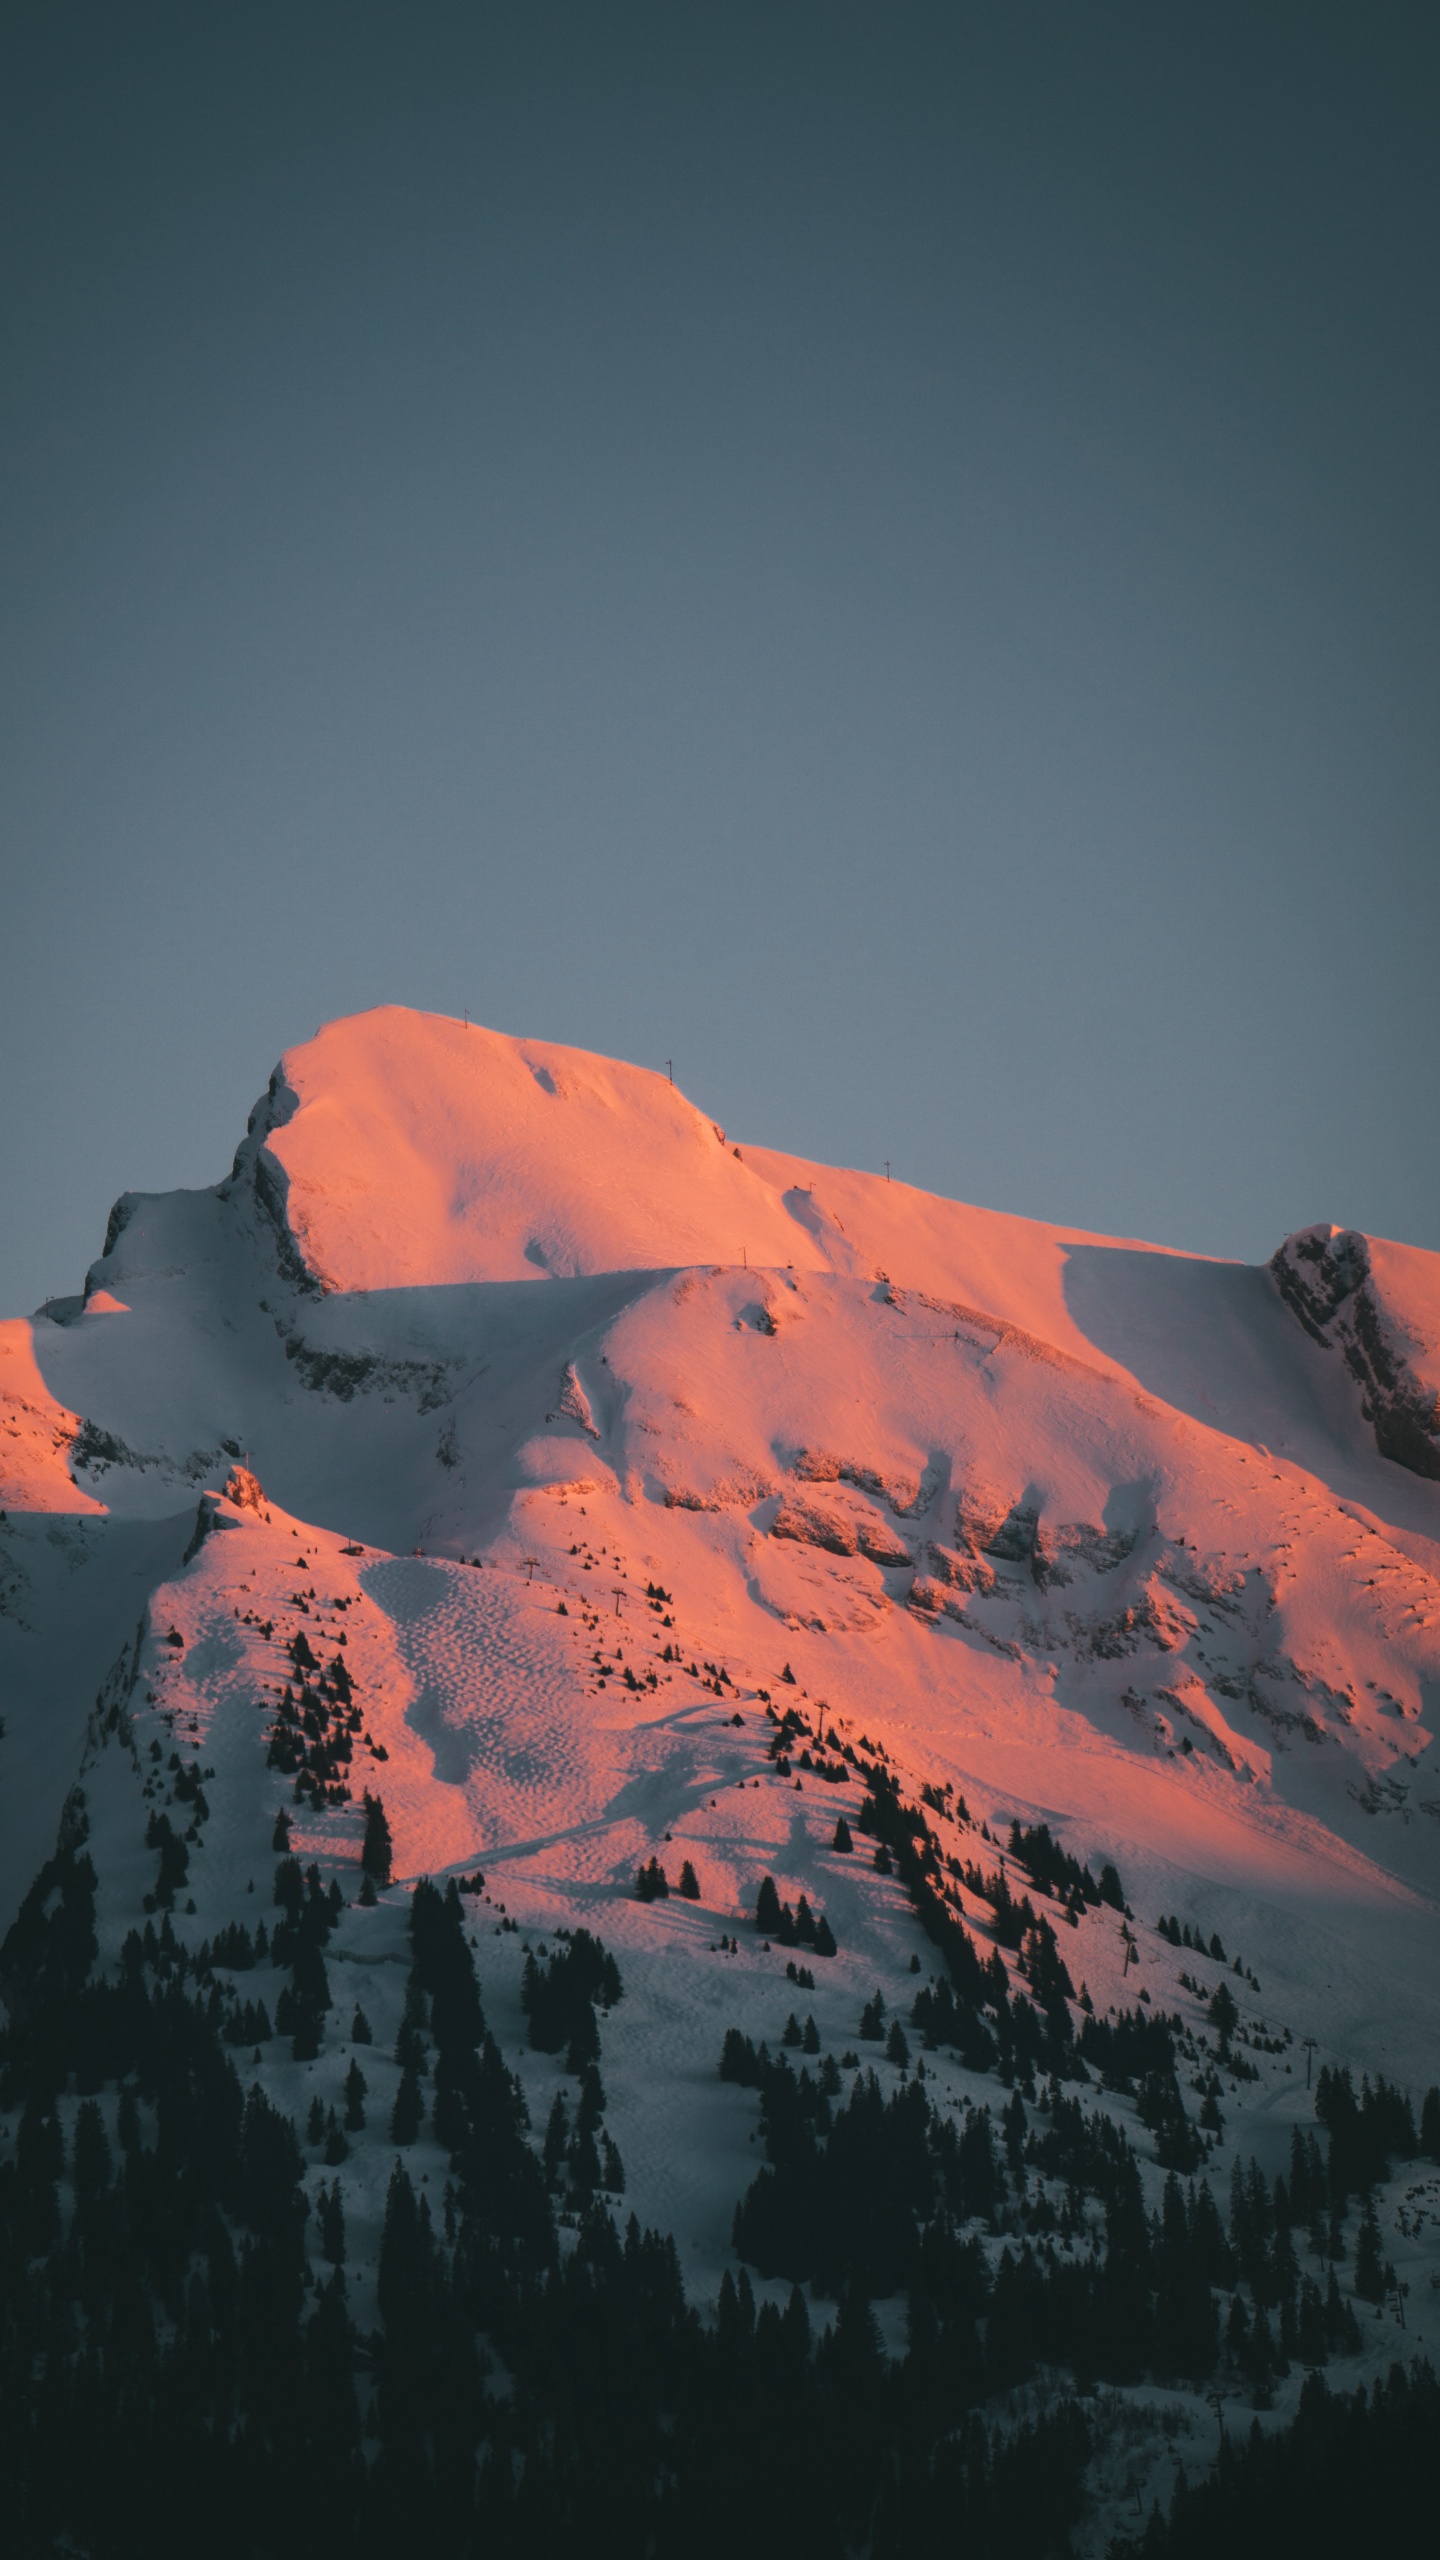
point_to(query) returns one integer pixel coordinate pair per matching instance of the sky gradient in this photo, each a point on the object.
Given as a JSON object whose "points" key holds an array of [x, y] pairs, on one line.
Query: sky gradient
{"points": [[889, 556]]}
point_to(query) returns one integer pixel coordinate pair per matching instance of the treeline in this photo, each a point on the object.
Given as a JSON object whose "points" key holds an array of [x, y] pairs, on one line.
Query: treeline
{"points": [[865, 2196], [1352, 2473], [179, 2360], [180, 2357]]}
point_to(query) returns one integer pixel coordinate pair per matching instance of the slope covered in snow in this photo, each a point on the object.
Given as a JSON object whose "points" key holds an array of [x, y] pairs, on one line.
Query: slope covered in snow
{"points": [[588, 1440]]}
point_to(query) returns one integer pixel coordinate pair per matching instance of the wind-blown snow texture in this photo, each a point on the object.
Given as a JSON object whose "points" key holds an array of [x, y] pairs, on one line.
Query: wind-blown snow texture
{"points": [[1138, 1544]]}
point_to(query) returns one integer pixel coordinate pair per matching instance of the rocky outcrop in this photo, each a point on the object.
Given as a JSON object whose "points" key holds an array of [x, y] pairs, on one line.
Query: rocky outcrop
{"points": [[1325, 1276]]}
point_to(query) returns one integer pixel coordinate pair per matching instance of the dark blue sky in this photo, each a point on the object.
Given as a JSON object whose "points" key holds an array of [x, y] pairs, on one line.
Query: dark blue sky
{"points": [[885, 553]]}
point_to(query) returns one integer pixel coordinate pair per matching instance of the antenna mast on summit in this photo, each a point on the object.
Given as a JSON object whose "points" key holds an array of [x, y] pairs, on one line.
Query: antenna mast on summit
{"points": [[670, 1069]]}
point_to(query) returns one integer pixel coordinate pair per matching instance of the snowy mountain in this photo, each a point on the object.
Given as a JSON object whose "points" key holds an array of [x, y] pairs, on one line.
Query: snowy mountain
{"points": [[504, 1440]]}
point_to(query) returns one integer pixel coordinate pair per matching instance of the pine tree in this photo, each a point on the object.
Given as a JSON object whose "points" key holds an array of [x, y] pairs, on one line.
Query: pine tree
{"points": [[824, 1937], [584, 2163], [842, 1839], [897, 2049], [872, 2029], [1261, 2360], [689, 1882], [332, 2224], [767, 1909], [290, 1888], [1430, 2124], [584, 2046], [377, 1850], [1310, 2324], [791, 2034], [592, 2099], [280, 1838], [810, 2040], [1224, 2015], [857, 2354], [315, 2122], [1369, 2266], [360, 2029], [408, 2110], [557, 2136], [356, 2088], [91, 2163]]}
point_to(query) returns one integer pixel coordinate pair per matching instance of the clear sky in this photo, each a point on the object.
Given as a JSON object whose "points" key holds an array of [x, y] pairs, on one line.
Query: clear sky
{"points": [[885, 553]]}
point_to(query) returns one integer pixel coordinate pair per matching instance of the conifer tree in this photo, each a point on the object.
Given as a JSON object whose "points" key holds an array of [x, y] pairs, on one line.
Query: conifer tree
{"points": [[584, 2163], [356, 2088], [557, 2136], [583, 2047], [842, 1839], [409, 2109], [91, 2159], [1224, 2015], [377, 1850], [1369, 2266], [767, 1908], [592, 2099], [689, 1883], [332, 2224]]}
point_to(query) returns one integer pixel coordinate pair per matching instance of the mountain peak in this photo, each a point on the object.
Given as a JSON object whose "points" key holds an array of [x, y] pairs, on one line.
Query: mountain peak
{"points": [[417, 1151]]}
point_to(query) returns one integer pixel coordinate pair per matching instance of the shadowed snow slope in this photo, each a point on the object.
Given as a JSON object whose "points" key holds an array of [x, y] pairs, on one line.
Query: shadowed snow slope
{"points": [[579, 1426]]}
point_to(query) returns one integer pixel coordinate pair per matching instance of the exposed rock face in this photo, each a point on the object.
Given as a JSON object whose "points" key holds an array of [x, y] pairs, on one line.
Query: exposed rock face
{"points": [[1327, 1276]]}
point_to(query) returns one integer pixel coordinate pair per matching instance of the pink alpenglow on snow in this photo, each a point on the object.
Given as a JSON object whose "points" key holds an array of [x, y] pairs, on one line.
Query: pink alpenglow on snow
{"points": [[589, 1438]]}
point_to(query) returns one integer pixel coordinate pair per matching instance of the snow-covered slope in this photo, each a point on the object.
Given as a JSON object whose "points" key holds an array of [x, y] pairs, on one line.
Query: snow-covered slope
{"points": [[514, 1340]]}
